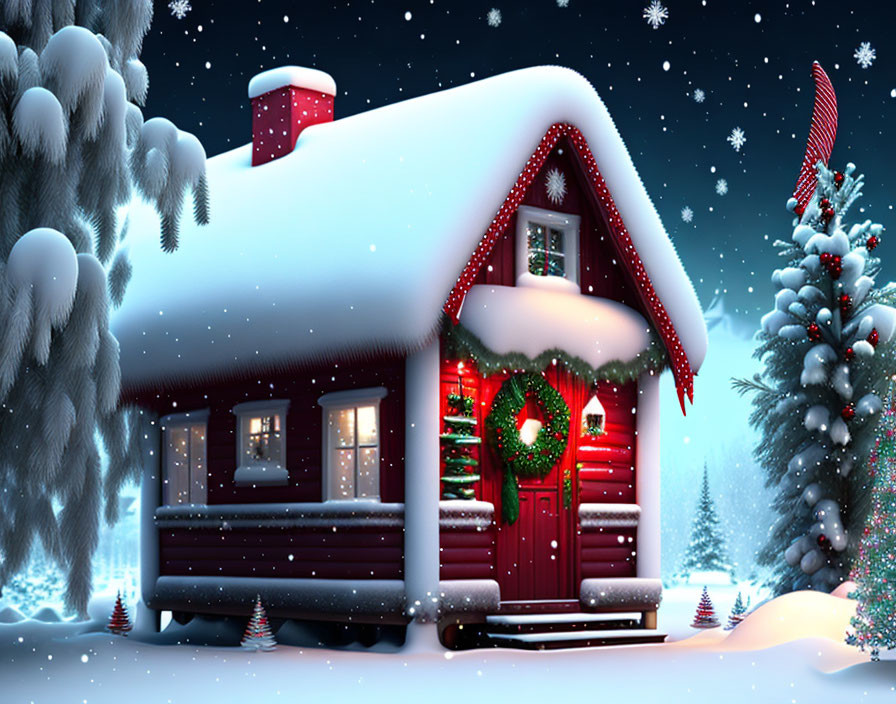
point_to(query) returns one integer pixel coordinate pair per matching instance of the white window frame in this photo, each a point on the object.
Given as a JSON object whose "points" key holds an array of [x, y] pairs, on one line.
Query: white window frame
{"points": [[567, 224], [341, 400], [260, 472], [184, 420]]}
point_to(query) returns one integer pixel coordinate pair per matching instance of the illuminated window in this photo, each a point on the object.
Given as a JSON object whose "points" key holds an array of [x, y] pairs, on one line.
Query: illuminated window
{"points": [[594, 418], [547, 244], [351, 443], [184, 458], [261, 445]]}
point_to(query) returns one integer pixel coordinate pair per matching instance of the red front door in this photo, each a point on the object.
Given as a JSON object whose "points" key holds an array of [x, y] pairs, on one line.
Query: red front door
{"points": [[533, 560]]}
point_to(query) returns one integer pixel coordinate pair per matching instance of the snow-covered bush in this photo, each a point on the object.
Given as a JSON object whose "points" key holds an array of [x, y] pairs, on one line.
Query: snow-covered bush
{"points": [[826, 347], [73, 145]]}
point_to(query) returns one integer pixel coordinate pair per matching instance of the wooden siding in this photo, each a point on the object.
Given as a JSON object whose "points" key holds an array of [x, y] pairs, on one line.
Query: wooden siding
{"points": [[302, 386], [325, 553]]}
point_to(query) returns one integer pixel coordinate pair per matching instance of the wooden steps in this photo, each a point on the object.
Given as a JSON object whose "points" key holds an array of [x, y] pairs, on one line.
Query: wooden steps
{"points": [[549, 631]]}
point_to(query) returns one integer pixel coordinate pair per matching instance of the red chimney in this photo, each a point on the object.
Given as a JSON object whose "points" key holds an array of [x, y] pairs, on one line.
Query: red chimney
{"points": [[285, 101]]}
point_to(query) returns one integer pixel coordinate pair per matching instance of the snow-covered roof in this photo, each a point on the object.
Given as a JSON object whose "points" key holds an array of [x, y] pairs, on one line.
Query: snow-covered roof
{"points": [[352, 242], [531, 320]]}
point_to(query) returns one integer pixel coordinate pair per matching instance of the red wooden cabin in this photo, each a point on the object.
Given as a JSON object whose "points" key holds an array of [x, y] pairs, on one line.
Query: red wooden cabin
{"points": [[299, 361]]}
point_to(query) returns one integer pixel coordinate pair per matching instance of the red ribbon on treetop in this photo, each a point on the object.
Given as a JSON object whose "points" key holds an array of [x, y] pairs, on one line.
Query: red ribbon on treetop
{"points": [[822, 133]]}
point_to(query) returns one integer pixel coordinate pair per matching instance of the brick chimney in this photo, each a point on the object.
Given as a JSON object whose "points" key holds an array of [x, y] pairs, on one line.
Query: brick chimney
{"points": [[285, 101]]}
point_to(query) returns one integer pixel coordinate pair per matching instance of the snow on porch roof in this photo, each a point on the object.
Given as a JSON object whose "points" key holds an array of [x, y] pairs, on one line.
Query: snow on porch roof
{"points": [[353, 241]]}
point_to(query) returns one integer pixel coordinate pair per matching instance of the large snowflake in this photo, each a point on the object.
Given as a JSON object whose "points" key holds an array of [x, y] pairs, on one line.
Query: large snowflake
{"points": [[721, 186], [656, 14], [555, 185], [562, 3], [865, 55], [179, 8], [493, 17], [699, 95], [737, 138], [687, 214]]}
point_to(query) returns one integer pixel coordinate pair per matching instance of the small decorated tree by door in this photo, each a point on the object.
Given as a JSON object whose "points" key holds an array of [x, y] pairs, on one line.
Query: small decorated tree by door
{"points": [[875, 569], [459, 442], [119, 623], [258, 635], [706, 614]]}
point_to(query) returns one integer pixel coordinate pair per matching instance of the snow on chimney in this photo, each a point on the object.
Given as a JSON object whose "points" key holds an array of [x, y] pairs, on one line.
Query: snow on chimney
{"points": [[285, 101]]}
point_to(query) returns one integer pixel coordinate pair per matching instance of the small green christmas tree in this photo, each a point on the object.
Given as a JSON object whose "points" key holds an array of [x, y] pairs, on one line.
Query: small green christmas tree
{"points": [[706, 614], [459, 442], [875, 569], [738, 612], [258, 635], [706, 551]]}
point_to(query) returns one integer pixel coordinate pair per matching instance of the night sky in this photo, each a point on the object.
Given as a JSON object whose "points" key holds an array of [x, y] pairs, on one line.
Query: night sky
{"points": [[751, 60]]}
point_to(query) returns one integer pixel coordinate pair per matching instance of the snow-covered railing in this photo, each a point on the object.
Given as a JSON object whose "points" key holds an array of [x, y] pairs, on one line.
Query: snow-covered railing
{"points": [[327, 514], [466, 515], [593, 516]]}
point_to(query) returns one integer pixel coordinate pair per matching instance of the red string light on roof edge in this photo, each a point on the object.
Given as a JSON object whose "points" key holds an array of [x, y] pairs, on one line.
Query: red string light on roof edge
{"points": [[681, 367]]}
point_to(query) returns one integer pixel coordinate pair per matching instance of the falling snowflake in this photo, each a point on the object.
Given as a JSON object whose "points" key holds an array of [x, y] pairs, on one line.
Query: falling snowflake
{"points": [[721, 186], [699, 95], [493, 17], [555, 185], [687, 214], [737, 138], [865, 55], [179, 8], [656, 14], [562, 3]]}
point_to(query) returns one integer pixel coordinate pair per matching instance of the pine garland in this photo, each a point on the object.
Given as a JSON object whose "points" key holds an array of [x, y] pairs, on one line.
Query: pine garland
{"points": [[519, 459], [463, 344]]}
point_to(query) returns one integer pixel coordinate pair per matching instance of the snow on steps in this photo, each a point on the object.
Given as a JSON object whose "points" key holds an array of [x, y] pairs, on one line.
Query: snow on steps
{"points": [[565, 630]]}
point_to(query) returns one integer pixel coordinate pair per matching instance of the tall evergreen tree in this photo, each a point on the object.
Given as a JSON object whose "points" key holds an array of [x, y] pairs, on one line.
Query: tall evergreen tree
{"points": [[825, 348], [875, 568], [706, 551], [73, 146]]}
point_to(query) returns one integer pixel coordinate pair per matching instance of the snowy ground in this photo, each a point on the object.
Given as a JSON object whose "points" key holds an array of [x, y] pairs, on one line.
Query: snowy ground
{"points": [[789, 650]]}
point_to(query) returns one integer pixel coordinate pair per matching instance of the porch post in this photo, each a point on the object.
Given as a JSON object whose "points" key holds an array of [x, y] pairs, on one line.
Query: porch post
{"points": [[421, 488], [647, 475], [150, 497]]}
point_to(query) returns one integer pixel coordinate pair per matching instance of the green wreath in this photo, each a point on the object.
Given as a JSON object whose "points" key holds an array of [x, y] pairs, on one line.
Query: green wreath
{"points": [[521, 460]]}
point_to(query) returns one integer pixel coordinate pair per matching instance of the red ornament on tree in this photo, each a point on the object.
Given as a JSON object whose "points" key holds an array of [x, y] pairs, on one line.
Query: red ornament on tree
{"points": [[845, 303], [824, 203], [838, 179], [119, 623], [799, 209], [848, 412], [825, 258], [822, 540], [849, 355], [814, 332], [872, 242], [873, 337]]}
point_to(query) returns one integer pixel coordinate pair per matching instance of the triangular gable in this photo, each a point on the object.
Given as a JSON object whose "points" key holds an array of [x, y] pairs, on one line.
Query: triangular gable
{"points": [[631, 260]]}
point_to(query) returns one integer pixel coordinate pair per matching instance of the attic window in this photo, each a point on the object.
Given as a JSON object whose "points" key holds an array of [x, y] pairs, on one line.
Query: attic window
{"points": [[547, 245], [594, 418], [261, 443]]}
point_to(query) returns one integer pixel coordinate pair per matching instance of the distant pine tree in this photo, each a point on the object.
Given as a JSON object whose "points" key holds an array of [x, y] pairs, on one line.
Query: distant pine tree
{"points": [[707, 550]]}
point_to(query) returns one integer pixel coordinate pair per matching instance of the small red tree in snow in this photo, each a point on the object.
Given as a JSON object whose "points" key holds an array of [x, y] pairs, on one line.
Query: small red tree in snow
{"points": [[706, 614], [119, 623], [258, 635]]}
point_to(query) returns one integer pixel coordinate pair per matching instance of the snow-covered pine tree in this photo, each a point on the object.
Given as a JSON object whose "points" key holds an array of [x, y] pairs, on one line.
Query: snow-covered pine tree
{"points": [[826, 351], [875, 567], [706, 551], [73, 145]]}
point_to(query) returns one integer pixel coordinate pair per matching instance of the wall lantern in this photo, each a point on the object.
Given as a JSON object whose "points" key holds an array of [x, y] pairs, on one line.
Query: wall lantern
{"points": [[593, 418]]}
